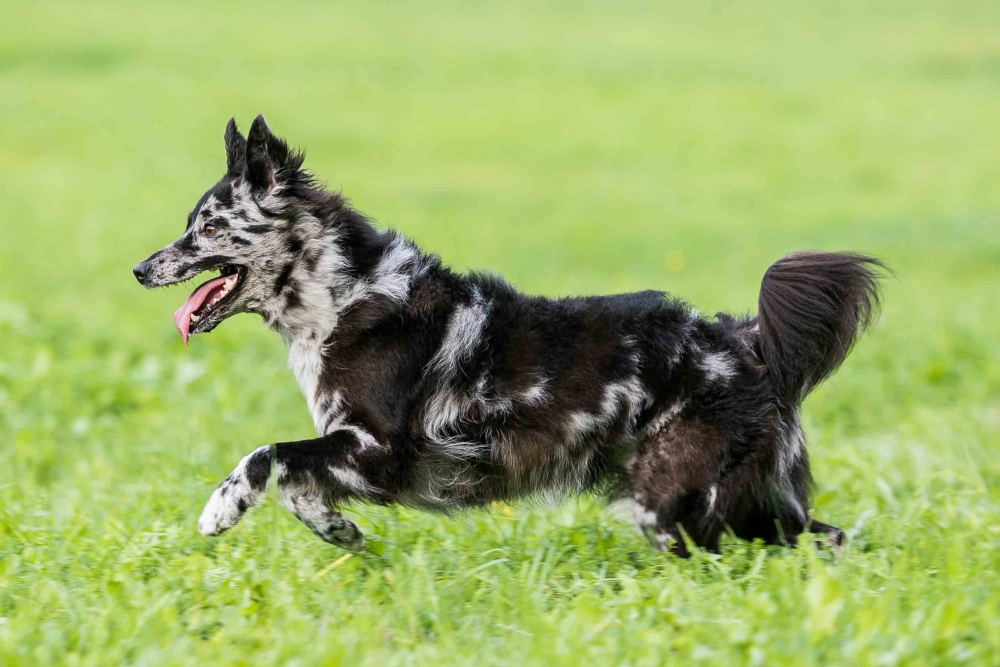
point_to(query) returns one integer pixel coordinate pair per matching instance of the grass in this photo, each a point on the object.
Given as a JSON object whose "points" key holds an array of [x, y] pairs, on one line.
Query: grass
{"points": [[575, 149]]}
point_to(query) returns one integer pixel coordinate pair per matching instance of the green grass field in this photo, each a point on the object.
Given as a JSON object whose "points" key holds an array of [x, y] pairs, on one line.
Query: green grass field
{"points": [[575, 149]]}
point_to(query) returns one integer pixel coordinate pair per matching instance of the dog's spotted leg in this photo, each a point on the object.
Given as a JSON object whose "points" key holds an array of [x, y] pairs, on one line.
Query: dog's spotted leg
{"points": [[674, 485], [315, 476], [318, 515], [241, 490]]}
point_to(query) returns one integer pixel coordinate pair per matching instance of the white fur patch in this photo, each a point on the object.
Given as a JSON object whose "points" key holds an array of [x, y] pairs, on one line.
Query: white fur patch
{"points": [[622, 509], [535, 394], [634, 355], [643, 517], [580, 425], [793, 444], [444, 410], [664, 540], [465, 328], [433, 475], [365, 439], [713, 495], [305, 358], [392, 275], [391, 279], [718, 366], [659, 422], [447, 406], [628, 396], [352, 480], [333, 407]]}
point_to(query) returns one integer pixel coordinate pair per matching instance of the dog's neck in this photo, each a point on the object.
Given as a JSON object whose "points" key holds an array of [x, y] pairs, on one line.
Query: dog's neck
{"points": [[344, 271], [343, 263]]}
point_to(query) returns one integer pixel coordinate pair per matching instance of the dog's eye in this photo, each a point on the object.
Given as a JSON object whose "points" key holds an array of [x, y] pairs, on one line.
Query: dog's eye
{"points": [[209, 230]]}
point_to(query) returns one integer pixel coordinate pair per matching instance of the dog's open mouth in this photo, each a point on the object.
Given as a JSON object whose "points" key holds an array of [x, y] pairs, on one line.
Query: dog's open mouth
{"points": [[209, 299]]}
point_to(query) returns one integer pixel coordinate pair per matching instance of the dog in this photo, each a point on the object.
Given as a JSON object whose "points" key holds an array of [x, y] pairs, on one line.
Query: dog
{"points": [[445, 391]]}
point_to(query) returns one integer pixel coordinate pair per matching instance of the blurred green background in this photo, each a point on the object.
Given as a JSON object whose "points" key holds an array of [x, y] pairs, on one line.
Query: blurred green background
{"points": [[575, 147]]}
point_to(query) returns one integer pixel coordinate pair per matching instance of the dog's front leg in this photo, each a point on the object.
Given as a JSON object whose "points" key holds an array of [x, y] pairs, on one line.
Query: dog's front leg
{"points": [[313, 476], [316, 476], [242, 489]]}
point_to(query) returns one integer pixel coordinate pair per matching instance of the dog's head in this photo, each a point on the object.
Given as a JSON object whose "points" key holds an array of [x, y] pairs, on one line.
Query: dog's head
{"points": [[246, 227]]}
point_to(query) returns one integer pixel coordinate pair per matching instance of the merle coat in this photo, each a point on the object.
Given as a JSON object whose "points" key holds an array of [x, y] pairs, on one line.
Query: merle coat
{"points": [[445, 391]]}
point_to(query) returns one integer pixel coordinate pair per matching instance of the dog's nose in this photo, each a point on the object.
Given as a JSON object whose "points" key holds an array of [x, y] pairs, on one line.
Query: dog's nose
{"points": [[141, 270]]}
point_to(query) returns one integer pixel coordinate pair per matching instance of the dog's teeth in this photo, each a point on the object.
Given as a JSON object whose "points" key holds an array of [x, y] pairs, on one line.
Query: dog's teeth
{"points": [[228, 285], [194, 318]]}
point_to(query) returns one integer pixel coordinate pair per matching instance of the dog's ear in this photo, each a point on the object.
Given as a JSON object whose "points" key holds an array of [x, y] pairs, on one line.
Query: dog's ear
{"points": [[267, 156], [236, 149]]}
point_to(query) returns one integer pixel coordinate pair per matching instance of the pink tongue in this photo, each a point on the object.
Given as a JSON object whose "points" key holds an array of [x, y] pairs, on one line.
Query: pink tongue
{"points": [[182, 316]]}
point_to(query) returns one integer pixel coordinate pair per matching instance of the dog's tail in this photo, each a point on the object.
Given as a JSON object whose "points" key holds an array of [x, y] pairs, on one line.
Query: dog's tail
{"points": [[813, 306]]}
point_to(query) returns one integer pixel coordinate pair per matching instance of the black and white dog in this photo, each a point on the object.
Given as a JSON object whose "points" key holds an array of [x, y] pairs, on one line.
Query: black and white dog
{"points": [[444, 391]]}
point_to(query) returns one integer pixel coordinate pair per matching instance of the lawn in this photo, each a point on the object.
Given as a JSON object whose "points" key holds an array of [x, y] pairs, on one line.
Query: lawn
{"points": [[575, 148]]}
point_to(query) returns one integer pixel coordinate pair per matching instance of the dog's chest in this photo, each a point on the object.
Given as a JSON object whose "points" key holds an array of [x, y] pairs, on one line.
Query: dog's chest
{"points": [[305, 358]]}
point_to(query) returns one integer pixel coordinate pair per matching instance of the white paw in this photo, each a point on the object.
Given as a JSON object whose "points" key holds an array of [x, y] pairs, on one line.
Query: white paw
{"points": [[223, 510], [236, 495]]}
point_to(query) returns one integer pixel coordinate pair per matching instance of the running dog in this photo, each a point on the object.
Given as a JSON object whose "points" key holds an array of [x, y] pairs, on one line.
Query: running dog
{"points": [[445, 391]]}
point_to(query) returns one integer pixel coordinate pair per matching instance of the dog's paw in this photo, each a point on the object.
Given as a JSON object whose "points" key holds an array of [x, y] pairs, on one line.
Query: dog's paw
{"points": [[342, 532], [225, 508], [832, 537], [243, 489], [319, 516]]}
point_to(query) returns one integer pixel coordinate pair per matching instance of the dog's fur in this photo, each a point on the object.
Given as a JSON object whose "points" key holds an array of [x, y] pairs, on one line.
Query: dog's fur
{"points": [[445, 391]]}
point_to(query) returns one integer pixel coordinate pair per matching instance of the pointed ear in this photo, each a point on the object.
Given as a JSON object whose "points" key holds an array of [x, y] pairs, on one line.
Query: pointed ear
{"points": [[266, 155], [236, 149]]}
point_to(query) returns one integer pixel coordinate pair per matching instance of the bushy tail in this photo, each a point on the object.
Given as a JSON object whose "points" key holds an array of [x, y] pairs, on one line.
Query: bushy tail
{"points": [[813, 306]]}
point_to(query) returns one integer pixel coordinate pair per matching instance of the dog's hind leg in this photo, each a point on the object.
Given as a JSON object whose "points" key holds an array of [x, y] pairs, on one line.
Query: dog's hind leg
{"points": [[834, 536], [768, 506], [674, 487]]}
